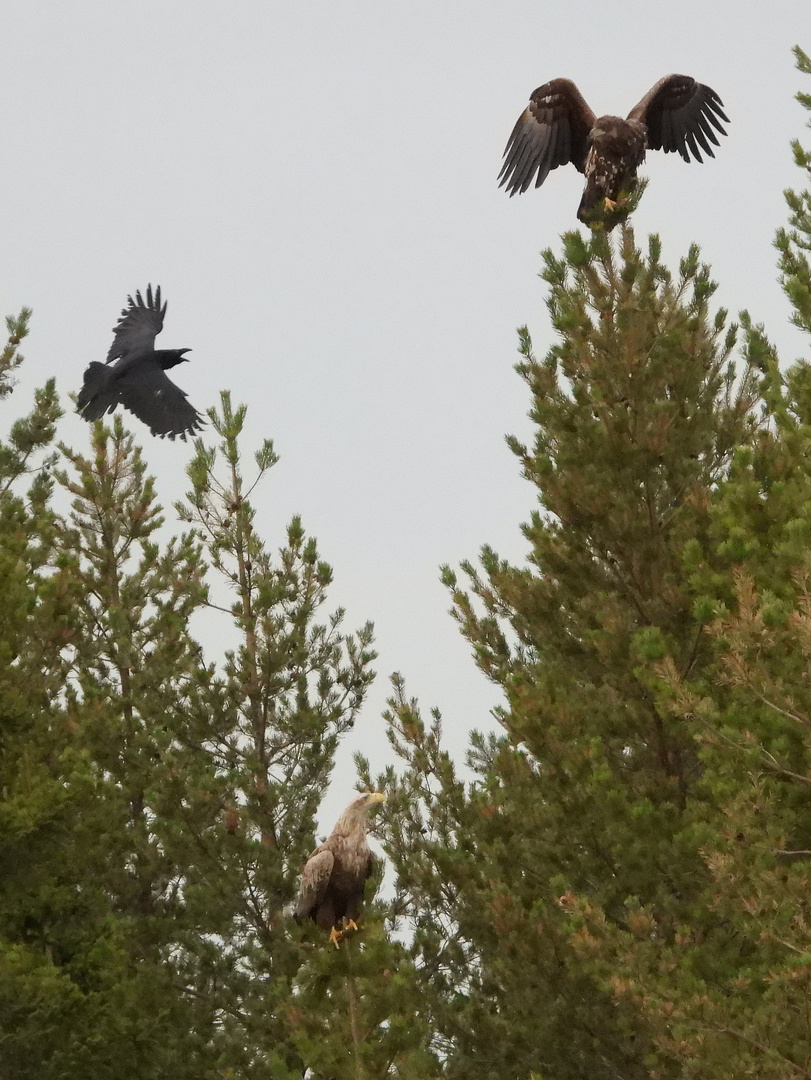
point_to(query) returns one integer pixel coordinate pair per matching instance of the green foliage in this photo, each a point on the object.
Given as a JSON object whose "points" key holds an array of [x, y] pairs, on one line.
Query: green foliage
{"points": [[793, 243], [357, 1016], [742, 1010], [617, 886], [156, 807], [45, 784], [621, 889]]}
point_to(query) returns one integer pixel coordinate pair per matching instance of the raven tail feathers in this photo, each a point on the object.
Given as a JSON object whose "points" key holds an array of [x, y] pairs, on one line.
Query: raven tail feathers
{"points": [[94, 398]]}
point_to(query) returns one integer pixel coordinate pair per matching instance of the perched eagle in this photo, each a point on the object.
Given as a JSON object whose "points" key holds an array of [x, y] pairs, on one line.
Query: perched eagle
{"points": [[677, 114], [334, 876], [138, 379]]}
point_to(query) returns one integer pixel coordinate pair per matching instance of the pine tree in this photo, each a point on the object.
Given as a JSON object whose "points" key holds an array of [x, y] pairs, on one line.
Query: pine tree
{"points": [[359, 1015], [156, 806], [638, 411], [743, 1011], [48, 918], [213, 779], [269, 725]]}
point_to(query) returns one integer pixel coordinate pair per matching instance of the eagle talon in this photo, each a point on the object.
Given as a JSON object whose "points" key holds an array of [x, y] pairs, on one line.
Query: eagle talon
{"points": [[350, 924], [335, 936]]}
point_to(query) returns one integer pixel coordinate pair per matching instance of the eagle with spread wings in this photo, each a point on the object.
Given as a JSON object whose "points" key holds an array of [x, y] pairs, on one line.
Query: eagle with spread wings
{"points": [[138, 380], [677, 115], [334, 877]]}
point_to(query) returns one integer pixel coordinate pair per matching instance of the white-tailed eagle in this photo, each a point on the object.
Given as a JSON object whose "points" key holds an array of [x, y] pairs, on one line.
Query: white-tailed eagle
{"points": [[334, 876], [677, 115]]}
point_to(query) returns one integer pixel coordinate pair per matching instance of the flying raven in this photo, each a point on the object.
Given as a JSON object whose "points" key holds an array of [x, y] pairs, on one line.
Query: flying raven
{"points": [[678, 115], [138, 380]]}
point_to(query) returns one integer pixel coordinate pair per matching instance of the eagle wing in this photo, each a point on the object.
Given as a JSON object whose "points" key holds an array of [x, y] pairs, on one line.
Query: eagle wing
{"points": [[314, 881], [681, 115], [553, 130], [139, 325], [147, 391]]}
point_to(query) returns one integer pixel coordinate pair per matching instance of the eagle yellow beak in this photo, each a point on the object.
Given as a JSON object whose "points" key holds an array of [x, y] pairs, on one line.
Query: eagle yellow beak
{"points": [[376, 797]]}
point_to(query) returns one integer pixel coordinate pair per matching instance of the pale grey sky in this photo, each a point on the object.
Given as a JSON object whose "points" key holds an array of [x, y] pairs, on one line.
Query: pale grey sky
{"points": [[313, 185]]}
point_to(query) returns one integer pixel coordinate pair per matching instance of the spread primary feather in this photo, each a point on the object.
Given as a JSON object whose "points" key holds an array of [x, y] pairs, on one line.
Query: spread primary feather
{"points": [[134, 374], [677, 115]]}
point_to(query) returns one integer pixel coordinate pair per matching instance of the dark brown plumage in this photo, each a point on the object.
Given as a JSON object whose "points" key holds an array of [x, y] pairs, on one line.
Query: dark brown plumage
{"points": [[334, 876], [677, 115]]}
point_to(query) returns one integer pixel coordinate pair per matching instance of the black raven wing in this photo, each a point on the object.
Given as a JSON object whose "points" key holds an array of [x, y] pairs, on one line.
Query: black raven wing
{"points": [[553, 130], [146, 390], [139, 325], [682, 116]]}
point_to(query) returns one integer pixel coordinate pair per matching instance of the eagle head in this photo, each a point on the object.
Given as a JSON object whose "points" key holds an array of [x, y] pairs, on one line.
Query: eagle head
{"points": [[355, 816], [367, 801]]}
